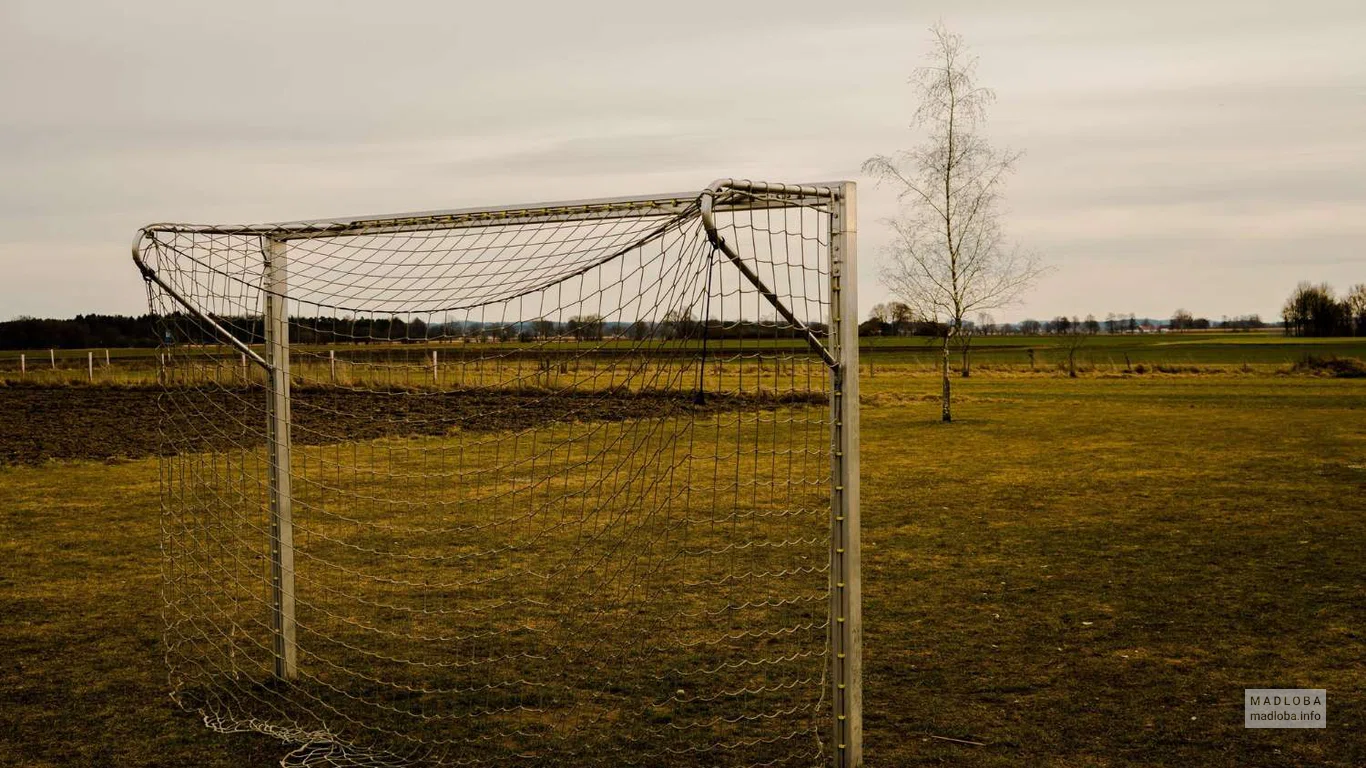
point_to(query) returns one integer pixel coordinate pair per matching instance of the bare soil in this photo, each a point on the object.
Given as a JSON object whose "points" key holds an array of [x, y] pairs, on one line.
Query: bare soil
{"points": [[38, 424]]}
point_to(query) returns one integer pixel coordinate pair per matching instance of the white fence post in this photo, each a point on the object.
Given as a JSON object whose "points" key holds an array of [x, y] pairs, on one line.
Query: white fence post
{"points": [[52, 355], [246, 378], [106, 358], [332, 363], [436, 372], [90, 366], [278, 440], [23, 366]]}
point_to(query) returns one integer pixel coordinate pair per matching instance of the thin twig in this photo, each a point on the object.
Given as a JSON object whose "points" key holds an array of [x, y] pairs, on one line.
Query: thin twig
{"points": [[958, 741]]}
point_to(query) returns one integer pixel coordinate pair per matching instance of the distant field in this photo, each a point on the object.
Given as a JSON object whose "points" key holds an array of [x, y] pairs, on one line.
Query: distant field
{"points": [[409, 365], [1076, 573], [1109, 351]]}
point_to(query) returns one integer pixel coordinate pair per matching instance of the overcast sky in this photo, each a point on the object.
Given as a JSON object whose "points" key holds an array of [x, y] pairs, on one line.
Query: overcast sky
{"points": [[1205, 155]]}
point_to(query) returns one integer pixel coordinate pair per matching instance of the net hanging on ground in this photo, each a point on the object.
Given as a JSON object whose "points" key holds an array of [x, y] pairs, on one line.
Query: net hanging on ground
{"points": [[568, 484]]}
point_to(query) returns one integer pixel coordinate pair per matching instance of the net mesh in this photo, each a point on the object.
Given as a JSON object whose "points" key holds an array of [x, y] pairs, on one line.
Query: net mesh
{"points": [[560, 485]]}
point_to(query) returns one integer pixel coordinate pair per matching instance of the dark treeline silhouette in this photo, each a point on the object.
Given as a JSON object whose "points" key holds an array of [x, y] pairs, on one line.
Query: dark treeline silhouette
{"points": [[87, 331], [1314, 310], [874, 327], [1311, 310], [897, 319], [82, 331]]}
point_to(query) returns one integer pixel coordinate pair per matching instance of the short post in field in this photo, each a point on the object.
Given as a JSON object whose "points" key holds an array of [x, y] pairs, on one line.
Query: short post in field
{"points": [[332, 363], [246, 379], [90, 366], [52, 355], [278, 443], [436, 372], [106, 358], [23, 366]]}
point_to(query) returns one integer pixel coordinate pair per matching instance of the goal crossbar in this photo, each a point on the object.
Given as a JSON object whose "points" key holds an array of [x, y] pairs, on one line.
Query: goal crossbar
{"points": [[726, 195], [722, 195]]}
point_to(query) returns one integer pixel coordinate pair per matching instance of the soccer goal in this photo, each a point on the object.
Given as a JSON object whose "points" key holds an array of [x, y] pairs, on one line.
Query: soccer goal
{"points": [[561, 484]]}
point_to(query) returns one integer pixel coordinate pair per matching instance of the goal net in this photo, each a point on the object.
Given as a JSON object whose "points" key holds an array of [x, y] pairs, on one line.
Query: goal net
{"points": [[563, 484]]}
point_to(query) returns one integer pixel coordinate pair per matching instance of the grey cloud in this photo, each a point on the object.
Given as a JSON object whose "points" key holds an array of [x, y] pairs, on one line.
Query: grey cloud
{"points": [[1157, 135], [592, 155]]}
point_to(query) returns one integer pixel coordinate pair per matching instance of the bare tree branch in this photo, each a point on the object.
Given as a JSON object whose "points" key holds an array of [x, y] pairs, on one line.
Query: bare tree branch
{"points": [[949, 258]]}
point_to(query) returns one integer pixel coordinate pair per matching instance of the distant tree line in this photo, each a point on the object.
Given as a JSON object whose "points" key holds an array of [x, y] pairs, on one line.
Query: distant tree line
{"points": [[86, 331], [80, 332], [897, 319], [1311, 310], [1314, 310]]}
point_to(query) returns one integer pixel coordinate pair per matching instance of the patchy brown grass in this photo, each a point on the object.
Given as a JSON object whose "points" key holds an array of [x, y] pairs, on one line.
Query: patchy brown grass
{"points": [[1339, 367], [1075, 573]]}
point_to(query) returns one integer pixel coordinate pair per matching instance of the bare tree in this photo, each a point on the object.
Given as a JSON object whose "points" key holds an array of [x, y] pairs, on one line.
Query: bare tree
{"points": [[1313, 310], [949, 257], [964, 336], [586, 327], [903, 320], [544, 328], [679, 324], [1181, 321], [1074, 338], [1356, 308]]}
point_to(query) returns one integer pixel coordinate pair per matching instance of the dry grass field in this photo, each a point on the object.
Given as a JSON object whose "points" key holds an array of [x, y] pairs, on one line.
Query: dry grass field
{"points": [[1077, 572]]}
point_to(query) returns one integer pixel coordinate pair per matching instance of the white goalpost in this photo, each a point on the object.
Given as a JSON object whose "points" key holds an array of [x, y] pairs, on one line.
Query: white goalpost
{"points": [[565, 484]]}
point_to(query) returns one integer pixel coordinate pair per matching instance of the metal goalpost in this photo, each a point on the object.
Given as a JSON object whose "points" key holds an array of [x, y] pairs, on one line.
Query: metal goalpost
{"points": [[561, 504]]}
